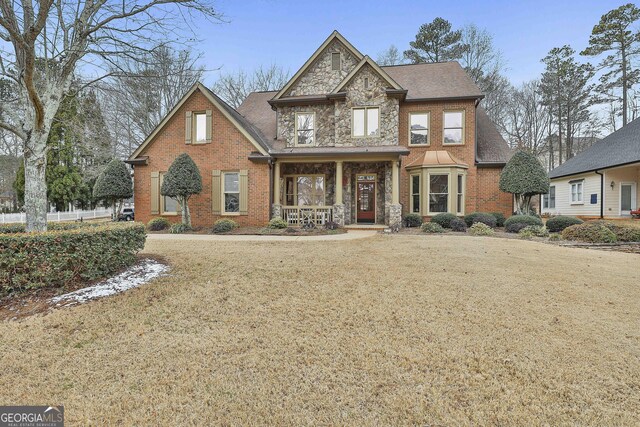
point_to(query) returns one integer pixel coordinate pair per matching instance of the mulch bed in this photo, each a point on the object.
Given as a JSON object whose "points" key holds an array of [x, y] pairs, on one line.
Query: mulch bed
{"points": [[264, 231], [16, 306]]}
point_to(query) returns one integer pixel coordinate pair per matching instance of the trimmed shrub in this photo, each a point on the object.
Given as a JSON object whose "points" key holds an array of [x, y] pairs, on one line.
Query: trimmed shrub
{"points": [[622, 232], [157, 224], [277, 223], [533, 231], [559, 223], [52, 226], [224, 226], [515, 223], [458, 225], [444, 219], [555, 237], [432, 227], [484, 218], [56, 258], [181, 181], [481, 229], [12, 228], [179, 228], [499, 218], [412, 220], [113, 185], [590, 232], [524, 177], [331, 225]]}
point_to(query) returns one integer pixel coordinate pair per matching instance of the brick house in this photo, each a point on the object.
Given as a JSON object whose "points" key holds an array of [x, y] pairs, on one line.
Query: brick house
{"points": [[344, 140]]}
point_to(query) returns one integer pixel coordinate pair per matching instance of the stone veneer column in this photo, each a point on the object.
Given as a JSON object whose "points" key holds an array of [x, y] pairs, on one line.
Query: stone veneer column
{"points": [[395, 209], [338, 207], [276, 208]]}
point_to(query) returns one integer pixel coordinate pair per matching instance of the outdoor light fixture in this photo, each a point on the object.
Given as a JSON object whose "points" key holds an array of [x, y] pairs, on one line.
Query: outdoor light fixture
{"points": [[613, 184]]}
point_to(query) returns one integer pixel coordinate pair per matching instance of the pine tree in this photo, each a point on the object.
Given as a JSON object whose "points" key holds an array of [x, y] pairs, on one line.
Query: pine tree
{"points": [[435, 42]]}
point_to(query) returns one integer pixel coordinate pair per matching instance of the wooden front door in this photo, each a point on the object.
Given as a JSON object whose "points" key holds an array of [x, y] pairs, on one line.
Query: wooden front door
{"points": [[366, 199]]}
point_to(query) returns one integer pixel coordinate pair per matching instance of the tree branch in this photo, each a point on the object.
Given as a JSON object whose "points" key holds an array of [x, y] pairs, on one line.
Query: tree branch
{"points": [[14, 130]]}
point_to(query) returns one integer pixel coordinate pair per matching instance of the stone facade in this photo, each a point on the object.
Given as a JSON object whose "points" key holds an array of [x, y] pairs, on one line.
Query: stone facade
{"points": [[324, 122], [320, 78], [382, 170]]}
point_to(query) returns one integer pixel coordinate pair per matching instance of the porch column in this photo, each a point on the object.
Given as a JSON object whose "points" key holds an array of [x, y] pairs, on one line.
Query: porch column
{"points": [[276, 208], [395, 209], [338, 206]]}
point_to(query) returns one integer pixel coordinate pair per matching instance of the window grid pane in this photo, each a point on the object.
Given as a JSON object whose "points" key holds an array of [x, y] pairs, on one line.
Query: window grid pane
{"points": [[372, 121], [419, 123], [358, 122], [232, 192], [201, 127], [453, 126], [459, 198], [415, 193], [438, 193]]}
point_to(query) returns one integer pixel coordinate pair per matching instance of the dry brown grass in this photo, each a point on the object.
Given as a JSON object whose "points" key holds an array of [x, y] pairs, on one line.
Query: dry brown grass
{"points": [[392, 330]]}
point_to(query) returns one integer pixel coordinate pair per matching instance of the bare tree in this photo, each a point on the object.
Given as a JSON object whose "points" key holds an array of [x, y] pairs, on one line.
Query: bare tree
{"points": [[64, 35], [235, 87], [528, 119], [390, 56]]}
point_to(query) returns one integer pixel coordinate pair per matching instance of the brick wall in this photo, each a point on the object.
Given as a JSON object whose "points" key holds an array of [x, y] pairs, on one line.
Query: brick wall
{"points": [[228, 150], [482, 192]]}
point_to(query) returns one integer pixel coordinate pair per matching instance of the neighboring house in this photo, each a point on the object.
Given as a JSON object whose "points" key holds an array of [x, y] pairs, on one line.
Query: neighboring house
{"points": [[602, 181], [344, 140]]}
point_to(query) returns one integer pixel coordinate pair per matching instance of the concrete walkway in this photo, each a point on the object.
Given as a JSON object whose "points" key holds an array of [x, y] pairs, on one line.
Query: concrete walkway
{"points": [[350, 235]]}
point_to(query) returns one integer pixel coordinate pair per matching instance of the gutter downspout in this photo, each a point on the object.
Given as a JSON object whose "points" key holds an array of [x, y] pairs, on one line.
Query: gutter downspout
{"points": [[601, 193], [270, 186]]}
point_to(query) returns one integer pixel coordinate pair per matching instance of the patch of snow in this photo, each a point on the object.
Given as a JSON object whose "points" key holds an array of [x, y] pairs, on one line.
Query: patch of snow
{"points": [[135, 276]]}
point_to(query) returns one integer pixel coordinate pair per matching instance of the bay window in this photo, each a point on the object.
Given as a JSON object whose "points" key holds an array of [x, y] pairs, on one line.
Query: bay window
{"points": [[438, 193]]}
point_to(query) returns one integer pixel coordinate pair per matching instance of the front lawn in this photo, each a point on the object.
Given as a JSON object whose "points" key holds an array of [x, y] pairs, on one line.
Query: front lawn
{"points": [[402, 329]]}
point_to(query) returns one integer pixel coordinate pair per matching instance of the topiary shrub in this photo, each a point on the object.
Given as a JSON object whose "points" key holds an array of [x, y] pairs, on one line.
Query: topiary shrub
{"points": [[481, 229], [482, 217], [180, 228], [499, 218], [533, 231], [224, 226], [114, 185], [412, 220], [158, 224], [277, 223], [524, 177], [432, 227], [559, 223], [181, 181], [57, 258], [515, 223], [590, 232], [458, 225], [444, 219]]}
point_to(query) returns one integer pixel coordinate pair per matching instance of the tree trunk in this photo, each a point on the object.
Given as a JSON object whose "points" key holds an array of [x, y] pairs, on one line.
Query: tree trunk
{"points": [[35, 185], [114, 211], [624, 85], [186, 213]]}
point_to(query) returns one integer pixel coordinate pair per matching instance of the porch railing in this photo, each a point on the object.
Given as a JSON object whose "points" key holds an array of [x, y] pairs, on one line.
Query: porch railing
{"points": [[300, 215]]}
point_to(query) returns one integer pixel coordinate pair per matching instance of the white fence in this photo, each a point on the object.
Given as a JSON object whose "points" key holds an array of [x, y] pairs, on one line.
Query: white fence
{"points": [[59, 216]]}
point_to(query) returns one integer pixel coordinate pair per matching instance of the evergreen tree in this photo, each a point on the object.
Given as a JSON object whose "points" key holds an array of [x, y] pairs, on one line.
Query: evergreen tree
{"points": [[524, 177], [181, 181], [114, 185], [435, 42], [614, 34]]}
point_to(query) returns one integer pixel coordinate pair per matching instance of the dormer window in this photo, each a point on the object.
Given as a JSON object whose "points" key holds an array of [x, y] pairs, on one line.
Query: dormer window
{"points": [[305, 129], [335, 61]]}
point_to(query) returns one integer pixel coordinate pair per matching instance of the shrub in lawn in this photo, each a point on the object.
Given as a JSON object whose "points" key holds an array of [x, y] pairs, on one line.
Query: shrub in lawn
{"points": [[20, 228], [277, 223], [12, 228], [481, 229], [555, 237], [482, 217], [179, 228], [412, 220], [458, 225], [515, 223], [157, 224], [432, 227], [113, 185], [331, 225], [559, 223], [182, 181], [56, 258], [499, 218], [590, 232], [224, 226], [533, 231], [622, 232], [444, 219]]}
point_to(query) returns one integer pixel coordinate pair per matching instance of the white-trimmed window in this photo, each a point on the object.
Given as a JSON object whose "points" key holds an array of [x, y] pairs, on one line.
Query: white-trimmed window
{"points": [[453, 132], [335, 61], [304, 190], [415, 193], [549, 199], [418, 128], [576, 191], [200, 127], [305, 128], [231, 192], [365, 121], [438, 193], [460, 195]]}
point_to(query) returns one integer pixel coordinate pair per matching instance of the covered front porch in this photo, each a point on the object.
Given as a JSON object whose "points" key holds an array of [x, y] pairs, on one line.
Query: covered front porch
{"points": [[357, 190], [621, 190]]}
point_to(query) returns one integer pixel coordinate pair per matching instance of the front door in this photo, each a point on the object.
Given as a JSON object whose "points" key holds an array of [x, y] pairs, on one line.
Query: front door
{"points": [[366, 199], [627, 198]]}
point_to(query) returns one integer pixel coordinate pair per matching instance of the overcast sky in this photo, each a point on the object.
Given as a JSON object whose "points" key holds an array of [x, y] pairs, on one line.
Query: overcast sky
{"points": [[287, 32]]}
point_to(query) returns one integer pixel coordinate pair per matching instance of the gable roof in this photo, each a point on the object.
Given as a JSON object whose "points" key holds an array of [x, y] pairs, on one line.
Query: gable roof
{"points": [[335, 35], [617, 149], [367, 61], [244, 126], [434, 81], [491, 148]]}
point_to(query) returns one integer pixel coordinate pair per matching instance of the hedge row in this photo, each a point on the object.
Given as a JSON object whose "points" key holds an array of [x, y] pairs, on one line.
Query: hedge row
{"points": [[52, 226], [55, 258]]}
